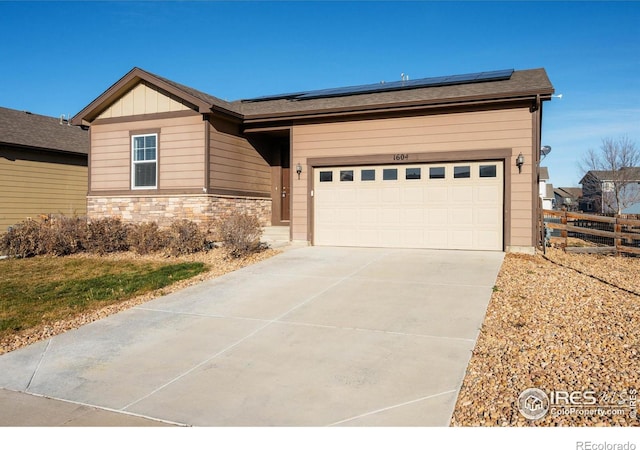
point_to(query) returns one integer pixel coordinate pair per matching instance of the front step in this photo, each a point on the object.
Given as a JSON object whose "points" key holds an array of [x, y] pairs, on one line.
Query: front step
{"points": [[275, 234]]}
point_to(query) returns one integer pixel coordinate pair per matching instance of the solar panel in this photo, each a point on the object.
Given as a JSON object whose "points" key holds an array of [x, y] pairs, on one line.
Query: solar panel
{"points": [[495, 75], [275, 97], [401, 85]]}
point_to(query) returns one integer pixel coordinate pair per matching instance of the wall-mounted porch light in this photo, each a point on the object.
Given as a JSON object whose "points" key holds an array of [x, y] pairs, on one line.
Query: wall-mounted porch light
{"points": [[520, 162], [298, 170]]}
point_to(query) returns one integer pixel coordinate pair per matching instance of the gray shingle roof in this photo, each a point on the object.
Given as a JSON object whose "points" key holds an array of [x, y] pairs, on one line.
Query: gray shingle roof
{"points": [[42, 132], [521, 83], [633, 173], [544, 173]]}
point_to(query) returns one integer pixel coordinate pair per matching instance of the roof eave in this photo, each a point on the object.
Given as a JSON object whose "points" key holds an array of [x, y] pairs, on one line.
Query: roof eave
{"points": [[402, 106]]}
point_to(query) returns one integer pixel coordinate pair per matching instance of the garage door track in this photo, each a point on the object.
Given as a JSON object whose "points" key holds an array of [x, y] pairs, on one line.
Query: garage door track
{"points": [[315, 336]]}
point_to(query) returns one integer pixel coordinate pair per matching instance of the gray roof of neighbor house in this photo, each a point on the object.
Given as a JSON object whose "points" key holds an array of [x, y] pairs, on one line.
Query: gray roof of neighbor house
{"points": [[633, 173], [544, 173], [568, 192], [549, 191], [520, 84], [24, 129]]}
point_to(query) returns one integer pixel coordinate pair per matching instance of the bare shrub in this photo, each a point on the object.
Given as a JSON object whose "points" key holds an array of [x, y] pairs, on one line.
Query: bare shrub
{"points": [[184, 237], [61, 235], [146, 238], [22, 240], [106, 235], [240, 233]]}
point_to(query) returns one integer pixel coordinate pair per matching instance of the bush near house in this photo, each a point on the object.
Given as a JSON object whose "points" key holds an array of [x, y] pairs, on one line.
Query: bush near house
{"points": [[239, 232], [59, 235]]}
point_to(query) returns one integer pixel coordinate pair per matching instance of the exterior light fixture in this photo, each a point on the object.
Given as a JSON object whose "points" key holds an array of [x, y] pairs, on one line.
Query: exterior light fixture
{"points": [[520, 162], [298, 170]]}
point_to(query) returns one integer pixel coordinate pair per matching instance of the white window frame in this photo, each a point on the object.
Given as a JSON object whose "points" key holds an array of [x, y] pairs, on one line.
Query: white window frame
{"points": [[145, 161]]}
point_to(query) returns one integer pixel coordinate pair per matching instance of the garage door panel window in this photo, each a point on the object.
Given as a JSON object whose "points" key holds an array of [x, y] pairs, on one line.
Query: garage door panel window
{"points": [[462, 172], [368, 175], [412, 173], [436, 173], [489, 171], [326, 176], [390, 174], [346, 175]]}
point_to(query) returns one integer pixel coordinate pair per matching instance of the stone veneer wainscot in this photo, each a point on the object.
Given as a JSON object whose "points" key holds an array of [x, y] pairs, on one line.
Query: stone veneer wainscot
{"points": [[166, 209]]}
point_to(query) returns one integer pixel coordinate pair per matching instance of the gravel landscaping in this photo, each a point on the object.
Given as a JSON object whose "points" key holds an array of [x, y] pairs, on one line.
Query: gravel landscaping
{"points": [[560, 322], [217, 260]]}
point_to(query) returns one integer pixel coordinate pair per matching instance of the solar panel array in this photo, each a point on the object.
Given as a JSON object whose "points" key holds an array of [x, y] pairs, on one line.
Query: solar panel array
{"points": [[496, 75]]}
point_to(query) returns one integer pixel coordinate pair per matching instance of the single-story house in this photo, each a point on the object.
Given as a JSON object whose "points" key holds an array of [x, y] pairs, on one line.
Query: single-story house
{"points": [[447, 162], [43, 167]]}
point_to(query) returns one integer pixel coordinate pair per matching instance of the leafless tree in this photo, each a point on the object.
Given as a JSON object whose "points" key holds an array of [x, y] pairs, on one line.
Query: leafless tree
{"points": [[612, 174]]}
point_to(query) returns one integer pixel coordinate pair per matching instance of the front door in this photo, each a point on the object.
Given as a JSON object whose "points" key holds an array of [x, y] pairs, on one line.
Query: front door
{"points": [[285, 195]]}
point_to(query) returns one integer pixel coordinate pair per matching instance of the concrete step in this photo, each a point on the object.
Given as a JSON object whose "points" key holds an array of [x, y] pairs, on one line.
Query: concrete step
{"points": [[277, 233]]}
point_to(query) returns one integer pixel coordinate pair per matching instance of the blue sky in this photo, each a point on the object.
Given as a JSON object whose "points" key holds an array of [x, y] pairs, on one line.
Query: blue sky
{"points": [[56, 57]]}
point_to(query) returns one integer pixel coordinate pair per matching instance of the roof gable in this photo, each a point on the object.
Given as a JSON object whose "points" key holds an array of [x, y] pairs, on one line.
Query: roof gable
{"points": [[196, 100], [24, 129], [145, 98]]}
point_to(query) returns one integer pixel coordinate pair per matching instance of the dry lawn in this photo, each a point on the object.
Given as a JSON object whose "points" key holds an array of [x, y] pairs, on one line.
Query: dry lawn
{"points": [[218, 263], [566, 322]]}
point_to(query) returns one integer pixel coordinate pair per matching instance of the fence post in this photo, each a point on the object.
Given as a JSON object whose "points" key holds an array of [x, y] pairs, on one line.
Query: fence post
{"points": [[618, 238], [563, 232]]}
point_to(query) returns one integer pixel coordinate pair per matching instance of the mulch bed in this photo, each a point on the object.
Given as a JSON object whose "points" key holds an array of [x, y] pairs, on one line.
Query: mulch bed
{"points": [[562, 322]]}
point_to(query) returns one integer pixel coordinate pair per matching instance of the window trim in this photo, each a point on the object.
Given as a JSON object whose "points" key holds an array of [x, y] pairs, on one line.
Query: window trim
{"points": [[134, 162]]}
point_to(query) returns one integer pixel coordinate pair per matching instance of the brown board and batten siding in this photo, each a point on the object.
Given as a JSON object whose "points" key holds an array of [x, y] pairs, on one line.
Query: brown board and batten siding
{"points": [[34, 183], [235, 166], [468, 132], [181, 143]]}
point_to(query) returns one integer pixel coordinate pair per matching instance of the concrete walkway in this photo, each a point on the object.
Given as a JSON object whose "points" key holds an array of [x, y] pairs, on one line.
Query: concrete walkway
{"points": [[315, 336]]}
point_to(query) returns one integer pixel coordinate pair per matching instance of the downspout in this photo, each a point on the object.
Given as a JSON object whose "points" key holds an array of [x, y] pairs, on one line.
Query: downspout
{"points": [[207, 154], [535, 174]]}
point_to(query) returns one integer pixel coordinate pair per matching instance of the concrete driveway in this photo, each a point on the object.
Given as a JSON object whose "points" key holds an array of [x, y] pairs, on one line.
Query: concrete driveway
{"points": [[315, 336]]}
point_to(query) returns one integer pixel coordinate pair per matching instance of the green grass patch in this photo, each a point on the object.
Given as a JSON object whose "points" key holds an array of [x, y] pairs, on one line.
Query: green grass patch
{"points": [[43, 290]]}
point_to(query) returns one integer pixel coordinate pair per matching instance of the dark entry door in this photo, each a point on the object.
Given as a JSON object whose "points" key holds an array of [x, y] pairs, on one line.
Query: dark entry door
{"points": [[285, 209]]}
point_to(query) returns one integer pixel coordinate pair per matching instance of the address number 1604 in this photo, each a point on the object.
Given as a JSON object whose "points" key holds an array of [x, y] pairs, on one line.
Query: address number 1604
{"points": [[400, 157]]}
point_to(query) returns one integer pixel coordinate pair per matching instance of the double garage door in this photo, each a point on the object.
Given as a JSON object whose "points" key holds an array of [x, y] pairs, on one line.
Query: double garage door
{"points": [[439, 206]]}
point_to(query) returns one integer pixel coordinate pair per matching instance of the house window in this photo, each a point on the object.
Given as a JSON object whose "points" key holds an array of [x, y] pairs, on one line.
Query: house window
{"points": [[144, 170], [326, 177]]}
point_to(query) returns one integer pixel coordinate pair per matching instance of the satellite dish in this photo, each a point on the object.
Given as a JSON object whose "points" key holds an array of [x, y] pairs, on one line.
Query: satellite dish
{"points": [[545, 150]]}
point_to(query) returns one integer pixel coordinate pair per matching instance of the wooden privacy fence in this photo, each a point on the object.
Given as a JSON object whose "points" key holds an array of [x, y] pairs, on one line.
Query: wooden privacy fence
{"points": [[591, 233]]}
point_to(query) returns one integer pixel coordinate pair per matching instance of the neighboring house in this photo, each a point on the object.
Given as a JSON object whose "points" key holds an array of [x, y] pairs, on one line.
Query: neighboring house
{"points": [[43, 167], [598, 191], [568, 198], [545, 189], [428, 163]]}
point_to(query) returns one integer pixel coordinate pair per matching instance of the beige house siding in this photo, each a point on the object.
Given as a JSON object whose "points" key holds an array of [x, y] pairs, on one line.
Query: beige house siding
{"points": [[235, 165], [181, 152], [466, 131], [29, 188], [143, 99]]}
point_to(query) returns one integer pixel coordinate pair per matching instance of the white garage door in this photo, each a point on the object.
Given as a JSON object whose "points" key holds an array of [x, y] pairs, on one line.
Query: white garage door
{"points": [[440, 206]]}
